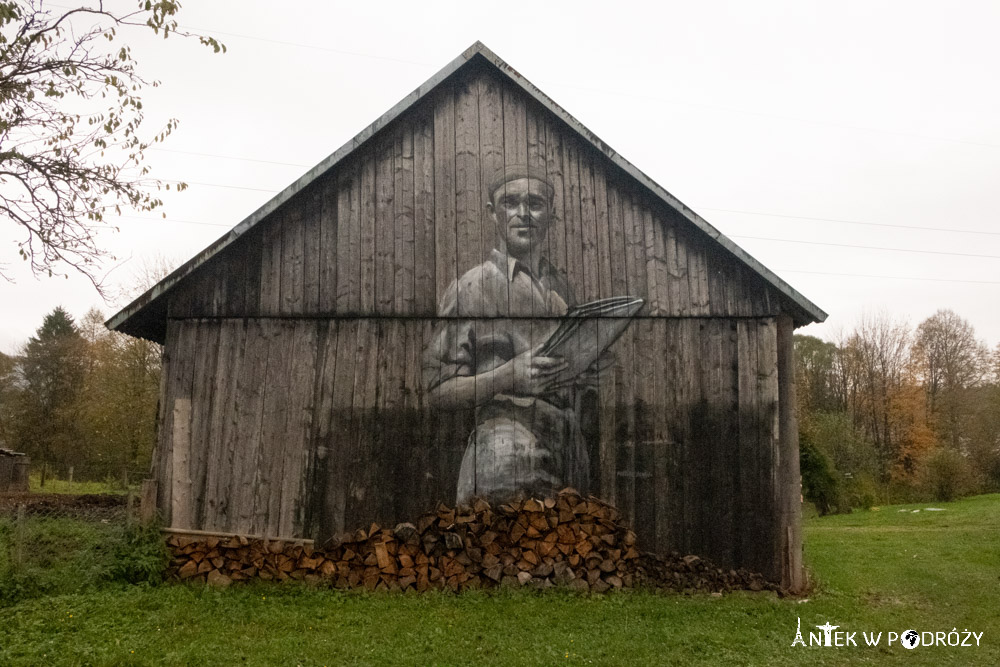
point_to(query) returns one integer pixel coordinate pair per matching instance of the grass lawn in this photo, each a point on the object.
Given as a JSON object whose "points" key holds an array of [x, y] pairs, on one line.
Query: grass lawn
{"points": [[53, 485], [876, 571]]}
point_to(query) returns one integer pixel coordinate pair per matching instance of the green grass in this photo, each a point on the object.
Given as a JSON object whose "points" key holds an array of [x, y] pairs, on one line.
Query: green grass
{"points": [[876, 571], [76, 487]]}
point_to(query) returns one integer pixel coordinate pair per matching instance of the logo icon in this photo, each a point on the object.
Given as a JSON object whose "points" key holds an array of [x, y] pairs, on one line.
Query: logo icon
{"points": [[910, 639]]}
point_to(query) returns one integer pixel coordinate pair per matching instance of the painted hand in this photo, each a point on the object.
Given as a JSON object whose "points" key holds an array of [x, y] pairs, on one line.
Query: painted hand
{"points": [[535, 375]]}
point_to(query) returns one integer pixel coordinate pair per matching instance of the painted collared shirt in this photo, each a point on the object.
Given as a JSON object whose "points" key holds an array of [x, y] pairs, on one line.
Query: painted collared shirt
{"points": [[521, 444]]}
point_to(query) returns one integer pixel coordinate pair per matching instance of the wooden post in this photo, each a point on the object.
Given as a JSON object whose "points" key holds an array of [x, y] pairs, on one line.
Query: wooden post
{"points": [[789, 480], [180, 496], [147, 502], [19, 537]]}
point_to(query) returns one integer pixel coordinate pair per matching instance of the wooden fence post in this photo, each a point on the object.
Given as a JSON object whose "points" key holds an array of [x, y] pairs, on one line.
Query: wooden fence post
{"points": [[19, 538]]}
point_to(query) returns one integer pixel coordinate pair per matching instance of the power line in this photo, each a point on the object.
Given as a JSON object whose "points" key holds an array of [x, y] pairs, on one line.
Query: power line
{"points": [[866, 247], [221, 185], [186, 222], [864, 275], [849, 222], [232, 157]]}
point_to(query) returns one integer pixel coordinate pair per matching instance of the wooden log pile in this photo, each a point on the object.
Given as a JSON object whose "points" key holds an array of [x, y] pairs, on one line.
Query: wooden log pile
{"points": [[566, 540]]}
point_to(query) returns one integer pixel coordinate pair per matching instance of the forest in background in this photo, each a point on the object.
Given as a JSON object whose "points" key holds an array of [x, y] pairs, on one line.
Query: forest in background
{"points": [[890, 414], [886, 414], [81, 401]]}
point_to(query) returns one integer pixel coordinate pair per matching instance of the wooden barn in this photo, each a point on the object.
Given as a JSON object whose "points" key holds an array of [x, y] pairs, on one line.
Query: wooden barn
{"points": [[477, 296]]}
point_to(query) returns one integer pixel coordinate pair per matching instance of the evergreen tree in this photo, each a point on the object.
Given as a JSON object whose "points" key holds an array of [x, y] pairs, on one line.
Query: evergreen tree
{"points": [[53, 371]]}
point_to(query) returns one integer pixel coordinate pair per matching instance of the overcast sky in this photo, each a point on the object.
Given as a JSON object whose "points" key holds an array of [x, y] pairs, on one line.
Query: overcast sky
{"points": [[785, 124]]}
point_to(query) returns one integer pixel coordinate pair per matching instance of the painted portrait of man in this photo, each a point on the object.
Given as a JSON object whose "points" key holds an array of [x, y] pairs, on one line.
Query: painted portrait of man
{"points": [[486, 354]]}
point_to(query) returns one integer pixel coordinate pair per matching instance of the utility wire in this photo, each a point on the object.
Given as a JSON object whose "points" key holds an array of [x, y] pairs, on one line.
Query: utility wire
{"points": [[849, 222], [605, 92], [864, 275], [231, 157], [866, 247]]}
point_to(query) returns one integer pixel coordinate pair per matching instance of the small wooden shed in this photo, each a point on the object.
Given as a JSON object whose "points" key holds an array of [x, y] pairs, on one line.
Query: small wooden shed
{"points": [[14, 468], [316, 355]]}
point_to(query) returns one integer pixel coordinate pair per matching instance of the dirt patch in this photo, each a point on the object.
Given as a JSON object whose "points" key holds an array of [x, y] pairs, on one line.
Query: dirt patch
{"points": [[83, 506]]}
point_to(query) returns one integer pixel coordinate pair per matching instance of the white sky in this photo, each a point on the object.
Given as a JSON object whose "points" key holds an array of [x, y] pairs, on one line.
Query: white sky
{"points": [[775, 120]]}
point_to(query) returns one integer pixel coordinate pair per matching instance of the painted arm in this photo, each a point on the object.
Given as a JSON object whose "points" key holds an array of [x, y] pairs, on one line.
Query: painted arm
{"points": [[524, 375]]}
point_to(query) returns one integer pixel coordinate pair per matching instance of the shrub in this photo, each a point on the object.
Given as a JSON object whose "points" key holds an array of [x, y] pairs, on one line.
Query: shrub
{"points": [[946, 475], [139, 556], [820, 483]]}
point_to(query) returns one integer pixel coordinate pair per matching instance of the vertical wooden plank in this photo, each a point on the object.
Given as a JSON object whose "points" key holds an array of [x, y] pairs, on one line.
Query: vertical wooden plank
{"points": [[572, 218], [602, 209], [230, 435], [445, 225], [385, 244], [515, 127], [360, 466], [663, 441], [273, 420], [368, 232], [644, 434], [219, 445], [340, 440], [625, 422], [535, 157], [468, 192], [608, 443], [390, 427], [204, 388], [617, 247], [788, 474], [292, 275], [159, 468], [553, 151], [318, 461], [403, 223], [254, 244], [177, 465], [182, 489], [424, 291], [656, 303], [492, 137], [313, 252], [671, 507], [678, 289], [348, 264], [767, 387], [296, 452], [248, 415], [716, 283], [270, 269], [330, 234], [635, 254], [235, 276], [589, 231]]}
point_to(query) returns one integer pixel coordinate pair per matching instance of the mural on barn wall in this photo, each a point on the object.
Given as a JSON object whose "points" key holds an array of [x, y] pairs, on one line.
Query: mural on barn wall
{"points": [[523, 375]]}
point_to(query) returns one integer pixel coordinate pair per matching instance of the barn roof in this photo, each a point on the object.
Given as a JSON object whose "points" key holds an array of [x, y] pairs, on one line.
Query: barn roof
{"points": [[146, 316]]}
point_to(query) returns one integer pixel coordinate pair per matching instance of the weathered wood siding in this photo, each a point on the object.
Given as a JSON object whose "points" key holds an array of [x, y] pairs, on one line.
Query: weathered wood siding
{"points": [[305, 427], [388, 230], [293, 397]]}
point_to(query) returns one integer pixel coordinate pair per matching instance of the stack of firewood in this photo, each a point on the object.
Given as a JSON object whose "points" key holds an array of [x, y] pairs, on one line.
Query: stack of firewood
{"points": [[564, 540]]}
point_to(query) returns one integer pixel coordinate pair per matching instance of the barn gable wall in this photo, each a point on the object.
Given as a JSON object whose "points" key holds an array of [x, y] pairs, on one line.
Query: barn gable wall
{"points": [[295, 400], [387, 230]]}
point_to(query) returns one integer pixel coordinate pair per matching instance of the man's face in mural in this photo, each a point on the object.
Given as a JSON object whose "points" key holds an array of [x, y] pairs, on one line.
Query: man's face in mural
{"points": [[522, 211]]}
